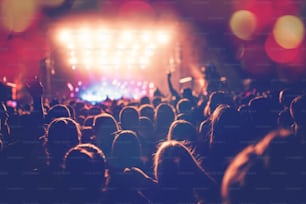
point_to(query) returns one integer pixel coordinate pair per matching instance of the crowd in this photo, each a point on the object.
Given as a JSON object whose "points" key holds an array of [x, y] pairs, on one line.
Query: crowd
{"points": [[219, 147]]}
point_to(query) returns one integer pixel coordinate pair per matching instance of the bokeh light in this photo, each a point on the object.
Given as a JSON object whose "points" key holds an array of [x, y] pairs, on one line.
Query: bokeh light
{"points": [[51, 3], [243, 24], [116, 89], [289, 31], [16, 15], [90, 47], [279, 54]]}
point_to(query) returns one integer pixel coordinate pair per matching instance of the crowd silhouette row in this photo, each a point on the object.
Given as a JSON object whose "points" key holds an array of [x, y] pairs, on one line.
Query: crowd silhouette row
{"points": [[222, 147]]}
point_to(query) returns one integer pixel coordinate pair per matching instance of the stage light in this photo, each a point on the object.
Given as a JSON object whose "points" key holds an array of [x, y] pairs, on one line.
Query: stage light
{"points": [[130, 61], [289, 31], [146, 36], [151, 46], [106, 45], [72, 53], [133, 53], [243, 24], [149, 52], [144, 61], [64, 36], [71, 46], [73, 67], [116, 61], [104, 35], [87, 62], [73, 60], [70, 86], [163, 37], [83, 35], [136, 46], [151, 85], [127, 35]]}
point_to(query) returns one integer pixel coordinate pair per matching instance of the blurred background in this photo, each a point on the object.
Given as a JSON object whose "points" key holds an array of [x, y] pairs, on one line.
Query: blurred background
{"points": [[96, 49]]}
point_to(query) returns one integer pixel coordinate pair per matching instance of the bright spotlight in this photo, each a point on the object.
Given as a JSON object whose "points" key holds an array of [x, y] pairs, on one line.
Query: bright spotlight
{"points": [[127, 35], [104, 35], [146, 36], [151, 47], [136, 47], [64, 36], [84, 35], [289, 31], [116, 61], [144, 61], [163, 37], [130, 61], [73, 60], [87, 61], [243, 24], [149, 52], [71, 46], [72, 53]]}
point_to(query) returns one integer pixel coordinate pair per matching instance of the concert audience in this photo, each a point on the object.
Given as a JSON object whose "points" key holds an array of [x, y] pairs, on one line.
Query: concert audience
{"points": [[211, 148]]}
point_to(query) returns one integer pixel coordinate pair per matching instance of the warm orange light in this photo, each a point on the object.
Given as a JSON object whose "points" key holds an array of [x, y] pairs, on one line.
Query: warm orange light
{"points": [[146, 36], [73, 60], [289, 31], [17, 15], [127, 35], [163, 37], [64, 36], [51, 3], [243, 24]]}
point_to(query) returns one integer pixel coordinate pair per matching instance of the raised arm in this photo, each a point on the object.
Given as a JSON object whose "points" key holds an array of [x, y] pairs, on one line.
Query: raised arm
{"points": [[173, 92]]}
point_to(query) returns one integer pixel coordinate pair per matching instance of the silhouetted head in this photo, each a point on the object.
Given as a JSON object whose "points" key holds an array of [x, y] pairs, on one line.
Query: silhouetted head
{"points": [[85, 165], [176, 167], [147, 110], [57, 111], [298, 110], [164, 115], [287, 95], [126, 150], [225, 125], [268, 172], [215, 99], [182, 130], [105, 128], [145, 100], [129, 118], [184, 105], [63, 134]]}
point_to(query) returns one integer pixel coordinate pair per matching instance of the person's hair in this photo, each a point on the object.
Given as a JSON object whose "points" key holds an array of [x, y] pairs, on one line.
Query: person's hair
{"points": [[182, 130], [105, 126], [164, 115], [63, 133], [85, 165], [126, 150], [88, 122], [225, 125], [298, 110], [156, 101], [287, 95], [145, 100], [172, 160], [184, 105], [215, 99], [147, 110], [57, 111], [268, 172], [129, 118]]}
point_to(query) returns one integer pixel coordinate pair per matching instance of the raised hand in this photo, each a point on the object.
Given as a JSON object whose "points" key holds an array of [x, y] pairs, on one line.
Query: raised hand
{"points": [[35, 87]]}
